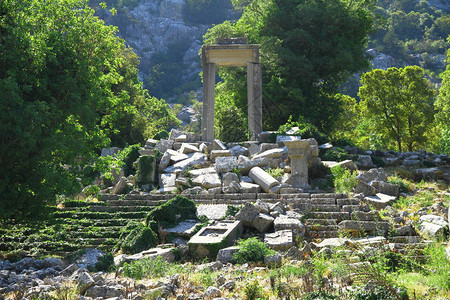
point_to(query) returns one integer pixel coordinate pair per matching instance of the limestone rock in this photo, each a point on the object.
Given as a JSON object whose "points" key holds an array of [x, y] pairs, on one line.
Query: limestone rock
{"points": [[196, 160], [284, 223], [262, 222], [120, 187], [225, 255], [247, 214], [226, 164], [249, 187], [273, 260], [238, 150], [229, 177], [364, 188], [208, 181], [216, 145], [280, 240], [262, 178], [83, 280], [379, 201], [212, 292], [272, 153], [219, 153], [188, 148], [364, 162]]}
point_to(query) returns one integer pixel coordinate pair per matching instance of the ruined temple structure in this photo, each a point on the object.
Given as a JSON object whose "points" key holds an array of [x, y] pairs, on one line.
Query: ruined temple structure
{"points": [[232, 52]]}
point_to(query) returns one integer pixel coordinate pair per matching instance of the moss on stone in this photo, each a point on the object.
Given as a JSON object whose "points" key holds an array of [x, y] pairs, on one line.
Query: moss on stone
{"points": [[172, 212], [136, 237], [145, 170]]}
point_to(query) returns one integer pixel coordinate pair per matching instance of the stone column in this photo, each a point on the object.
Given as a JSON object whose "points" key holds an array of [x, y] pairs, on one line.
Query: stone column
{"points": [[254, 94], [297, 151], [209, 85]]}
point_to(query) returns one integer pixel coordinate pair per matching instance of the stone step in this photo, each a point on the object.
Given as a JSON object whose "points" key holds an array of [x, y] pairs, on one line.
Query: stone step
{"points": [[352, 208], [135, 202], [318, 207], [364, 216], [320, 221], [320, 227], [380, 227], [338, 216], [322, 234], [407, 245], [409, 239], [331, 201], [348, 201], [117, 208]]}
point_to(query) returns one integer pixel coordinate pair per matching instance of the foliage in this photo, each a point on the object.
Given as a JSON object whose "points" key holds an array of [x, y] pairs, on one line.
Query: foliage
{"points": [[232, 210], [443, 100], [344, 181], [253, 291], [105, 263], [68, 85], [135, 238], [275, 173], [298, 81], [305, 130], [251, 250], [334, 154], [398, 104], [145, 170], [149, 268], [438, 267], [173, 211]]}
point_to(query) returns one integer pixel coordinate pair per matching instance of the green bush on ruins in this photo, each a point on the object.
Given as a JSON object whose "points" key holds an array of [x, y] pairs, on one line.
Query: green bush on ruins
{"points": [[173, 211]]}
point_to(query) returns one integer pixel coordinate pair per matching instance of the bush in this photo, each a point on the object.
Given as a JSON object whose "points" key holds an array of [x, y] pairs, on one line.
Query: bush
{"points": [[334, 154], [251, 250], [105, 263], [306, 130], [135, 238], [173, 211], [344, 181], [148, 267]]}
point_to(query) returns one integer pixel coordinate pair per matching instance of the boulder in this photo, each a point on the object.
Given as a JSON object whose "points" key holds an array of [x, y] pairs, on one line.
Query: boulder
{"points": [[229, 177], [247, 213], [284, 223], [272, 153], [386, 188], [379, 201], [364, 162], [167, 180], [364, 188], [273, 260], [219, 153], [188, 148], [83, 280], [372, 175], [195, 160], [121, 187], [262, 222], [208, 181], [238, 150], [433, 230], [226, 164], [249, 187], [216, 145], [225, 255], [280, 240]]}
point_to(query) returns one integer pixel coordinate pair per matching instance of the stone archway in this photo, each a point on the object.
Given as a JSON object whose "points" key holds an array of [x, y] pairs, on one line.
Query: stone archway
{"points": [[232, 52]]}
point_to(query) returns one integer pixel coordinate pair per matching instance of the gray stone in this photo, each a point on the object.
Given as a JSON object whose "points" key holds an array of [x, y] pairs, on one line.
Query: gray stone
{"points": [[226, 164], [208, 181], [232, 188], [196, 160], [284, 223], [219, 153], [177, 157], [165, 253], [433, 230], [238, 150], [110, 151], [212, 292], [225, 255], [364, 188], [281, 138], [280, 240], [164, 145], [89, 258], [216, 145], [429, 173], [96, 292], [83, 280], [411, 162], [202, 171], [347, 164], [275, 189], [167, 180], [69, 270], [212, 211], [229, 177], [325, 252], [364, 162], [298, 152], [333, 242], [273, 153], [164, 162], [373, 175], [262, 206], [249, 187], [438, 220], [406, 230], [386, 188], [121, 187], [262, 222], [380, 201], [279, 207], [188, 148], [273, 260], [294, 253], [263, 179], [247, 213]]}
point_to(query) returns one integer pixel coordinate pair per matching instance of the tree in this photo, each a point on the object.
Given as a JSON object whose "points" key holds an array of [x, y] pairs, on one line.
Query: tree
{"points": [[442, 106], [307, 49], [398, 103], [66, 84]]}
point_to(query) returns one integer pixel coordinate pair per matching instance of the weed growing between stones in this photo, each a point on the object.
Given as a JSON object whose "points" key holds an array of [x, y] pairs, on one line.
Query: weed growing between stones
{"points": [[151, 268], [251, 250], [344, 181]]}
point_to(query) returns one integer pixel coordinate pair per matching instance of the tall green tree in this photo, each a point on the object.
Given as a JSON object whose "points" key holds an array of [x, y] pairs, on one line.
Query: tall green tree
{"points": [[307, 49], [398, 104], [442, 106], [66, 84]]}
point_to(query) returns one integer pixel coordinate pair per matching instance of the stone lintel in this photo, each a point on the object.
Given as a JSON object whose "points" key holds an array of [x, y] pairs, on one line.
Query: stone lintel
{"points": [[231, 55]]}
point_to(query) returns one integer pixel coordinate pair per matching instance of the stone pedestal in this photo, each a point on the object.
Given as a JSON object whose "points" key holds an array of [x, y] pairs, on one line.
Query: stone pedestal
{"points": [[297, 151]]}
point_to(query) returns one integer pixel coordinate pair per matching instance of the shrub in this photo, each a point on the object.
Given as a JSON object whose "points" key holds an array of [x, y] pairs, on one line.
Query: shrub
{"points": [[105, 263], [305, 130], [251, 250], [334, 154], [275, 173], [173, 211], [135, 238], [149, 267], [344, 181], [253, 291], [232, 210]]}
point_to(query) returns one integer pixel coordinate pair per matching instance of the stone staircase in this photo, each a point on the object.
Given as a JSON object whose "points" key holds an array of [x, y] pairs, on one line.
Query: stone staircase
{"points": [[98, 224]]}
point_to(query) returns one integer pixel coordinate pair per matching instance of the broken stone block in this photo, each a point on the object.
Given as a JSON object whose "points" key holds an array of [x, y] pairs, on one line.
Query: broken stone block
{"points": [[229, 177], [196, 160], [184, 229], [182, 183], [379, 201], [273, 260], [283, 223], [247, 214], [262, 222], [225, 255], [203, 171], [203, 148], [438, 220], [249, 187], [281, 138], [188, 148], [386, 188], [263, 207], [218, 153], [280, 240], [167, 180], [259, 176], [364, 188], [216, 145], [182, 138], [226, 164], [373, 175], [164, 162], [364, 162], [232, 188], [210, 239], [238, 150], [368, 226], [273, 153], [279, 207], [120, 187], [164, 145], [208, 181], [433, 230]]}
